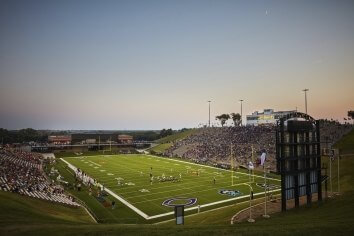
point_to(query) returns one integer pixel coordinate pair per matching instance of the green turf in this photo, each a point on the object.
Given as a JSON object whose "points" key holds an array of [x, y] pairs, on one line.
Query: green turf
{"points": [[135, 171], [121, 214]]}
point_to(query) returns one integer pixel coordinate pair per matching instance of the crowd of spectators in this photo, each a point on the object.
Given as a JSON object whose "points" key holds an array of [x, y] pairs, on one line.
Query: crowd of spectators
{"points": [[21, 172], [212, 145], [332, 131], [84, 178]]}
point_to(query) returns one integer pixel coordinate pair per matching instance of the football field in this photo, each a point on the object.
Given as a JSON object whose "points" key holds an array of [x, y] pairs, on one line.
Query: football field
{"points": [[128, 178]]}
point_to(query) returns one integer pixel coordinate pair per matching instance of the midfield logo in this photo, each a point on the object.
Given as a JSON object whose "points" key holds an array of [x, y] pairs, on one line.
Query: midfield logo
{"points": [[172, 202]]}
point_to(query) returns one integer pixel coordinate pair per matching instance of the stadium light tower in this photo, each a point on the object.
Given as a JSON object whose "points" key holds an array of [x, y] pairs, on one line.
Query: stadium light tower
{"points": [[241, 100], [209, 112], [305, 90]]}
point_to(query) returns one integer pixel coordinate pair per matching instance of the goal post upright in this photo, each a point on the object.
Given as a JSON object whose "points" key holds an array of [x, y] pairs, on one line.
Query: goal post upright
{"points": [[232, 166], [252, 163], [110, 144]]}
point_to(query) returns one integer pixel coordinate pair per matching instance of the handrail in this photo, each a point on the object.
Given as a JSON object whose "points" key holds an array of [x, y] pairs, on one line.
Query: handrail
{"points": [[83, 204]]}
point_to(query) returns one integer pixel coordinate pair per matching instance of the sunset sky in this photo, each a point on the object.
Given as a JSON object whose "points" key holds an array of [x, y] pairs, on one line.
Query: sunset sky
{"points": [[154, 64]]}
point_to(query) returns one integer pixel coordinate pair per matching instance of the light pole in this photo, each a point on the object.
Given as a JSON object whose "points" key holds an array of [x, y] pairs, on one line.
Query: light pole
{"points": [[209, 112], [241, 100], [305, 90], [338, 175]]}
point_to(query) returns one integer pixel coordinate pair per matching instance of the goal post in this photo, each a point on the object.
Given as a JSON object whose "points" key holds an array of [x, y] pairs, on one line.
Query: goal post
{"points": [[232, 166], [252, 163]]}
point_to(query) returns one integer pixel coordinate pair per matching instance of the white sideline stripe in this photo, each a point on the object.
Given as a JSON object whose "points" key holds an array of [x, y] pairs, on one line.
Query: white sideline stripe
{"points": [[113, 194], [147, 217], [211, 204], [127, 204], [259, 176]]}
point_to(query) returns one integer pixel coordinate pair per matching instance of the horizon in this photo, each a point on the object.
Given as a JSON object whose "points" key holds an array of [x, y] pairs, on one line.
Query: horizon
{"points": [[149, 65], [229, 123]]}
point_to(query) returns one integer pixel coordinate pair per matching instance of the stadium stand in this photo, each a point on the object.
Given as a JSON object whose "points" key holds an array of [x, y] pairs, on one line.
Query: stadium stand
{"points": [[21, 172], [212, 145], [332, 131]]}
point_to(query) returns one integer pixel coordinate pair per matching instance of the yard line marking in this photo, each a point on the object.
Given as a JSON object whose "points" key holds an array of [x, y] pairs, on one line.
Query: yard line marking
{"points": [[142, 214], [174, 185], [220, 180], [210, 204], [204, 176], [174, 195], [147, 217], [191, 163], [95, 163], [126, 190], [179, 188]]}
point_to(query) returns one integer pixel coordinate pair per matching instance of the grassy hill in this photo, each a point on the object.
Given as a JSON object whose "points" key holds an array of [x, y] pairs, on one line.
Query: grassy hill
{"points": [[160, 148], [166, 142], [18, 209], [346, 144], [176, 136]]}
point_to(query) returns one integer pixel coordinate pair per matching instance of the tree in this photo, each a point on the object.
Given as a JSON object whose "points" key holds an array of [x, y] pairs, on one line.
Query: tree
{"points": [[27, 135], [5, 136], [236, 117], [165, 132], [351, 115], [23, 135], [223, 118]]}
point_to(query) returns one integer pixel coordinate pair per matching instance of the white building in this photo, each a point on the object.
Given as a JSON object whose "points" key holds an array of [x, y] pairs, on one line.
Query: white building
{"points": [[268, 116]]}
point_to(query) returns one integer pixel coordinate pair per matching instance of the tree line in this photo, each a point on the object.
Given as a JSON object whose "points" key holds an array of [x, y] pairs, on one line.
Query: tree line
{"points": [[41, 136], [236, 118], [22, 135]]}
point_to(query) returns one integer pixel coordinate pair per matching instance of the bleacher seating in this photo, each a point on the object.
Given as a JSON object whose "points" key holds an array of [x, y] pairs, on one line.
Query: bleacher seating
{"points": [[21, 172], [213, 145]]}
